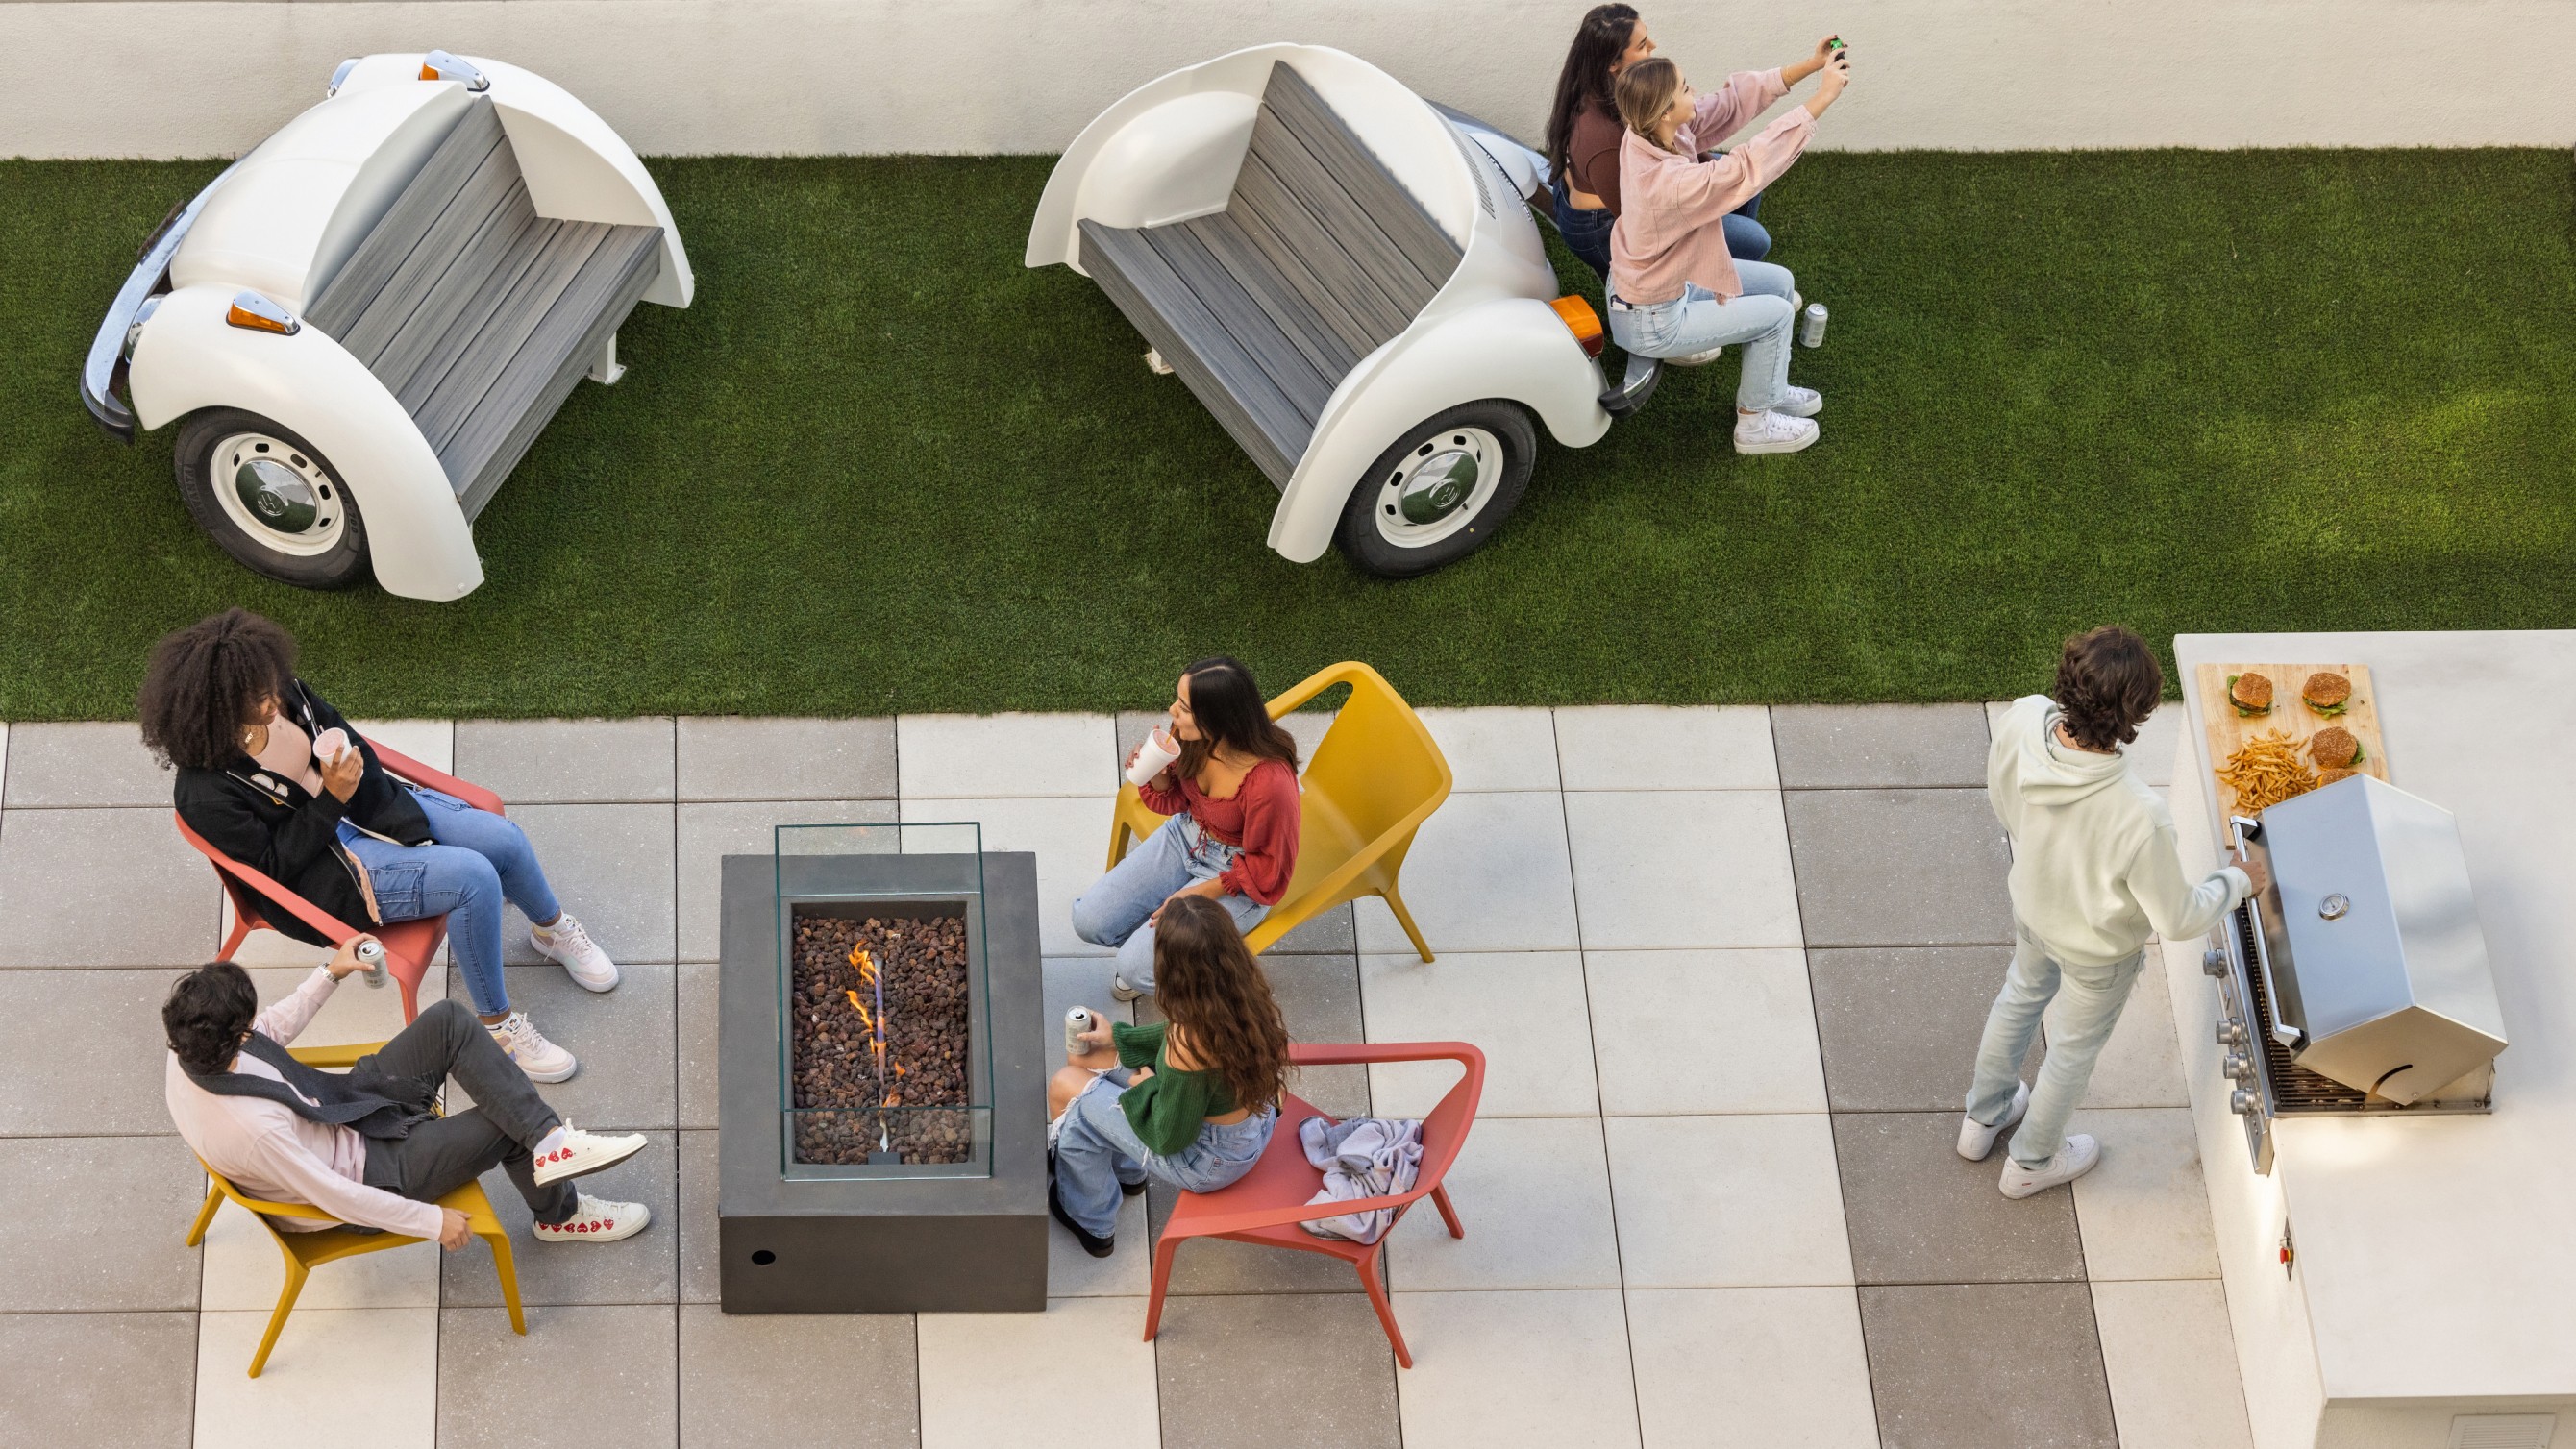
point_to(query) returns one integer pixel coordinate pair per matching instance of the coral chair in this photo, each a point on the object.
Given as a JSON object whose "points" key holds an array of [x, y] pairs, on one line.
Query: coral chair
{"points": [[409, 945], [1369, 785], [305, 1252], [1268, 1203]]}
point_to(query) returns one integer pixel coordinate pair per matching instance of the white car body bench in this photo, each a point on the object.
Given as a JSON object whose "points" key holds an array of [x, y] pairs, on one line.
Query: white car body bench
{"points": [[368, 319], [1349, 282]]}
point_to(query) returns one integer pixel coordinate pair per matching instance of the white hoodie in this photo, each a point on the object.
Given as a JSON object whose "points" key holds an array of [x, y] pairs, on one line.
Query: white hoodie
{"points": [[2095, 869]]}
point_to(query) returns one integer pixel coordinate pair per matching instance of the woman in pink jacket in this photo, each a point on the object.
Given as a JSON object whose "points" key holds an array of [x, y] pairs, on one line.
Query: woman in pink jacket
{"points": [[1674, 290]]}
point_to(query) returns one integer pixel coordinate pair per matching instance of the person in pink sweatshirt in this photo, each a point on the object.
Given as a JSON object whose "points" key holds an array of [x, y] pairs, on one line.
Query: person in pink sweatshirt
{"points": [[1675, 292]]}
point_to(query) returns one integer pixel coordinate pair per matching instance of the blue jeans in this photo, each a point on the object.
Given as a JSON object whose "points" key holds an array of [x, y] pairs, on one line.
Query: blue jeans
{"points": [[1096, 1149], [2093, 995], [1697, 321], [478, 861], [1587, 233], [1113, 911]]}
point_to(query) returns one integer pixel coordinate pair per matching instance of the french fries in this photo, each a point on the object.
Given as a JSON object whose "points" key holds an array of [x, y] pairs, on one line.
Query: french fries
{"points": [[2266, 772]]}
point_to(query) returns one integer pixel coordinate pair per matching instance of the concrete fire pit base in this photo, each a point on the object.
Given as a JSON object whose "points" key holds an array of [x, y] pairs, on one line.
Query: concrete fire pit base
{"points": [[798, 1243]]}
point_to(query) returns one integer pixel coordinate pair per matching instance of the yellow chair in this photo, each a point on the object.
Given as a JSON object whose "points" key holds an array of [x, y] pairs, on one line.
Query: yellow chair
{"points": [[1369, 785], [305, 1252]]}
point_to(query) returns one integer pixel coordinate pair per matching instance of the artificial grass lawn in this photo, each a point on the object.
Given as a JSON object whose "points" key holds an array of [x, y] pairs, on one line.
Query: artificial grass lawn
{"points": [[881, 466]]}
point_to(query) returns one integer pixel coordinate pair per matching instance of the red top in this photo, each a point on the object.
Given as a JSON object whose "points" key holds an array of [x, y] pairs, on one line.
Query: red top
{"points": [[1259, 818]]}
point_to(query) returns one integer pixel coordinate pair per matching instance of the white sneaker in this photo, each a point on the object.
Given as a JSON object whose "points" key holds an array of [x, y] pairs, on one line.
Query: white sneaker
{"points": [[1773, 432], [541, 1059], [1696, 359], [594, 1221], [1799, 402], [1119, 990], [1977, 1139], [2075, 1158], [567, 942], [576, 1153]]}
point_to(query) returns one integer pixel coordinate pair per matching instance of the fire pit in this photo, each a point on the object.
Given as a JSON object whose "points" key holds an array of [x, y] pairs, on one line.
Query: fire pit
{"points": [[882, 1140]]}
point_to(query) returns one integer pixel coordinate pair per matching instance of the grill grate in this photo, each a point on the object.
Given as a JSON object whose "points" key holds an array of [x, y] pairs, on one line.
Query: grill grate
{"points": [[2295, 1089]]}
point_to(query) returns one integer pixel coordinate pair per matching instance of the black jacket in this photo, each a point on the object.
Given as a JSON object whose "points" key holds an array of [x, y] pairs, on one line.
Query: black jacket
{"points": [[272, 825]]}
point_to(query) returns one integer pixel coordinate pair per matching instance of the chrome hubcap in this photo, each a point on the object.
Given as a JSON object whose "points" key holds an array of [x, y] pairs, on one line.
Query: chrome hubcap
{"points": [[1440, 488], [278, 493]]}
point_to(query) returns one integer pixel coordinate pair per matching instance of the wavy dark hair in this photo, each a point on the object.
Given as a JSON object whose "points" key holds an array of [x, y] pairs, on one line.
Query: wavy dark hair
{"points": [[2108, 682], [205, 682], [1228, 707], [1211, 988], [1598, 43], [206, 1013]]}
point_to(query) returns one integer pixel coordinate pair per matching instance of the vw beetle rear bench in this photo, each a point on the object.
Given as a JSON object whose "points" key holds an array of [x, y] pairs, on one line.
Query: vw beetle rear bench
{"points": [[364, 323], [1350, 284]]}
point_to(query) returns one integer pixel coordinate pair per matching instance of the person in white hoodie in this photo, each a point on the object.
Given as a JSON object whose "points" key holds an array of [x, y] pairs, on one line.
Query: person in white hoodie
{"points": [[2095, 874]]}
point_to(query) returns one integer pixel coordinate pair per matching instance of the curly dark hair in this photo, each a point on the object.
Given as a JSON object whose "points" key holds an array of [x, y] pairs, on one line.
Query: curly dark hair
{"points": [[1212, 989], [2107, 683], [206, 1013], [207, 681]]}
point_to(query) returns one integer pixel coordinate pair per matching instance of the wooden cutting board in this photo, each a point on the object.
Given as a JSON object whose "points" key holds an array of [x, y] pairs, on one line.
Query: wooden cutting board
{"points": [[2227, 731]]}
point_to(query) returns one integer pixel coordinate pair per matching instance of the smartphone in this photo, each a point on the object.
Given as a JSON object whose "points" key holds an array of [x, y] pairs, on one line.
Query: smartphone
{"points": [[1835, 44]]}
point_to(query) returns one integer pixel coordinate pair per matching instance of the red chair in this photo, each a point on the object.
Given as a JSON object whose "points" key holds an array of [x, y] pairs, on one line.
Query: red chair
{"points": [[409, 945], [1269, 1202]]}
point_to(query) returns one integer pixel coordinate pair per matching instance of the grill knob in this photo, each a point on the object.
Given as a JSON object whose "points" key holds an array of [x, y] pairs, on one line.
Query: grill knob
{"points": [[2238, 1066], [2213, 962], [2231, 1033], [2241, 1102]]}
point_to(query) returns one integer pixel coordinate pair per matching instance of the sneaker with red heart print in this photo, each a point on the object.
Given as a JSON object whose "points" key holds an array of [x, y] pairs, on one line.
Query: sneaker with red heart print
{"points": [[572, 1152], [594, 1221]]}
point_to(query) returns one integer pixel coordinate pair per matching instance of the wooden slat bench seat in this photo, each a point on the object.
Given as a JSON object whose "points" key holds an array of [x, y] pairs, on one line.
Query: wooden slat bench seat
{"points": [[1320, 258], [476, 313]]}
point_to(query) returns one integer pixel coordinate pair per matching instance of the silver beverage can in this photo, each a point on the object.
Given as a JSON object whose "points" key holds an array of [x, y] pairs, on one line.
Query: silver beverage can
{"points": [[1811, 326], [371, 954]]}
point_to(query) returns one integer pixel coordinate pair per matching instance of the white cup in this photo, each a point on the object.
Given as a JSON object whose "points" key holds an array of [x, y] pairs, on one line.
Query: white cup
{"points": [[330, 744], [1153, 757]]}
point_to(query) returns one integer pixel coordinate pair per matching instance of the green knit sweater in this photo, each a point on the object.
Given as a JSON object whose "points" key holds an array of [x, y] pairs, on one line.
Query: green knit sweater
{"points": [[1168, 1108]]}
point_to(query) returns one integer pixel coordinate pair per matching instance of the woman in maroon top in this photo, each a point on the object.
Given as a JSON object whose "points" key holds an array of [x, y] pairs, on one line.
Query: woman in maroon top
{"points": [[1232, 796]]}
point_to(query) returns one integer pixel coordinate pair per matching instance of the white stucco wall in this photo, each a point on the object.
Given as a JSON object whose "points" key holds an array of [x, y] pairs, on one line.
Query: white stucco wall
{"points": [[199, 77]]}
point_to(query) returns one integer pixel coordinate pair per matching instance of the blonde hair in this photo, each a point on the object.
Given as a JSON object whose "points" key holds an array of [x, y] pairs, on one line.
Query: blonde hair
{"points": [[1645, 95]]}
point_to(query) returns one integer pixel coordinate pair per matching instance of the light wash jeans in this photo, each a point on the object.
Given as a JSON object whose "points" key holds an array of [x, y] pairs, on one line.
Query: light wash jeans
{"points": [[478, 861], [1697, 321], [2093, 996], [1096, 1149], [1113, 911]]}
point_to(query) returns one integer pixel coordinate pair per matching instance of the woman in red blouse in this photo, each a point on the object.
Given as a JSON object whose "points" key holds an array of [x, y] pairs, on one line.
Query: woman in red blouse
{"points": [[1232, 796]]}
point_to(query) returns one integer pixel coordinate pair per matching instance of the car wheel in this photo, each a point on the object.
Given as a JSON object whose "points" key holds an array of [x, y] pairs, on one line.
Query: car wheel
{"points": [[270, 499], [1441, 491]]}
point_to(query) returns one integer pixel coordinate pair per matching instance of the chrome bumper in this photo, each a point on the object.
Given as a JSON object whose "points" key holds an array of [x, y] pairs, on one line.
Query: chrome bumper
{"points": [[109, 349]]}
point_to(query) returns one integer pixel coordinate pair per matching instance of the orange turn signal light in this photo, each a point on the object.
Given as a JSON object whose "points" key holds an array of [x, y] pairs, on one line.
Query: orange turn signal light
{"points": [[1582, 321], [253, 311]]}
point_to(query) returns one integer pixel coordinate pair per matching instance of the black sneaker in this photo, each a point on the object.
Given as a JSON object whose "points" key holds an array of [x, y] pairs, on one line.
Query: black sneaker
{"points": [[1132, 1189], [1095, 1246]]}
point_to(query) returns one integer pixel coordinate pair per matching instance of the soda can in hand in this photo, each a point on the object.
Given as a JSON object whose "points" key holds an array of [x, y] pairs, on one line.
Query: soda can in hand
{"points": [[371, 955]]}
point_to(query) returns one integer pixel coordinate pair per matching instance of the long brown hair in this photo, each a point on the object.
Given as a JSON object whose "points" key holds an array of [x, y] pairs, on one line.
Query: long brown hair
{"points": [[1211, 988], [1228, 708], [1598, 43], [1646, 93], [204, 683]]}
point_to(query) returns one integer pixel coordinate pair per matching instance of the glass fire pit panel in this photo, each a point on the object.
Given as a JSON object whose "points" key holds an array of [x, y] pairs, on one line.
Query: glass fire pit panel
{"points": [[885, 1051]]}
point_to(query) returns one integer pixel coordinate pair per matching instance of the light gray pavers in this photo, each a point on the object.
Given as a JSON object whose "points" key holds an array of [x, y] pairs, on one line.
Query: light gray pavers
{"points": [[624, 1358], [1524, 1009], [353, 1376], [701, 1264], [1920, 1213], [95, 1224], [1534, 1196], [2172, 1365], [1876, 745], [622, 1038], [1724, 1202], [85, 1052], [709, 833], [611, 866], [559, 761], [103, 888], [1005, 756], [1078, 1376], [1276, 1372], [1212, 1265], [698, 1072], [728, 757], [795, 1381], [1701, 1031], [1666, 869], [2145, 1210], [126, 1379], [642, 1269], [1750, 1368], [1899, 867], [1491, 1369], [1496, 748], [1974, 1366], [1900, 1026], [1655, 747], [103, 763]]}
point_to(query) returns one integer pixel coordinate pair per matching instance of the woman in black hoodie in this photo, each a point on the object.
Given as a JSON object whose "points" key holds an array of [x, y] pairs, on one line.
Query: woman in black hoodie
{"points": [[271, 775]]}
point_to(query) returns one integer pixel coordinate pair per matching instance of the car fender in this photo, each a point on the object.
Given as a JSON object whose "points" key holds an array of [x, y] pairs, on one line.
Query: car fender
{"points": [[188, 358], [1515, 348]]}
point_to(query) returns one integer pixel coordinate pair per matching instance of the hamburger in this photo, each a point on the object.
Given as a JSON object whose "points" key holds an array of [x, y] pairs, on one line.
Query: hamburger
{"points": [[2334, 748], [2328, 777], [2250, 693], [2326, 693]]}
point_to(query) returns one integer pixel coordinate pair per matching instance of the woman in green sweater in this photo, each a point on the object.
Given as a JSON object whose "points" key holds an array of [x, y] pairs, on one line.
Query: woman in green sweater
{"points": [[1190, 1100]]}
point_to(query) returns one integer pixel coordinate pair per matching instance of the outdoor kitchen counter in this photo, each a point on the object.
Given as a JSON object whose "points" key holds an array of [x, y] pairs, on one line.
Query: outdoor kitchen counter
{"points": [[2435, 1267]]}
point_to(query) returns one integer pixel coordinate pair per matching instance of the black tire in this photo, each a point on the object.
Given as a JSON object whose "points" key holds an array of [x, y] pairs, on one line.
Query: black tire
{"points": [[1374, 525], [341, 557]]}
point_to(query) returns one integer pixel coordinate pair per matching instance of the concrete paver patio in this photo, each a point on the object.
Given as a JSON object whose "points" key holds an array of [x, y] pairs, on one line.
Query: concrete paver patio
{"points": [[1727, 965]]}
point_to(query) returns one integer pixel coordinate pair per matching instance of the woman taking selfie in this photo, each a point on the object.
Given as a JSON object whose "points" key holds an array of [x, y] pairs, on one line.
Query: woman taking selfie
{"points": [[1674, 290], [1191, 1100], [271, 775], [1583, 136], [1232, 838]]}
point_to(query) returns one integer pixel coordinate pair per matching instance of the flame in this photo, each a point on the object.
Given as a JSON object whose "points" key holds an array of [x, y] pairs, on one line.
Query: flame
{"points": [[861, 1008], [866, 964]]}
